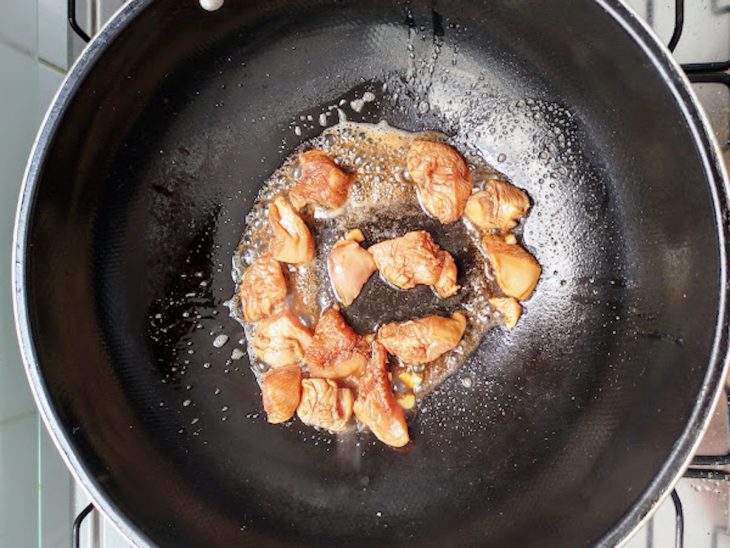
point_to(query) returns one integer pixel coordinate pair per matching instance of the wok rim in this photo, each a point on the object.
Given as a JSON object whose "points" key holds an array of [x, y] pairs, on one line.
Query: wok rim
{"points": [[716, 177]]}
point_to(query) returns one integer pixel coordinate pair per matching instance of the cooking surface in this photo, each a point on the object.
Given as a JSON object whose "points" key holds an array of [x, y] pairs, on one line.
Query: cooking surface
{"points": [[705, 502]]}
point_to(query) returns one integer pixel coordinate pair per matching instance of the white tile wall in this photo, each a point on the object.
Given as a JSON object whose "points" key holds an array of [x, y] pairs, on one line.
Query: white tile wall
{"points": [[52, 32], [18, 477], [18, 27]]}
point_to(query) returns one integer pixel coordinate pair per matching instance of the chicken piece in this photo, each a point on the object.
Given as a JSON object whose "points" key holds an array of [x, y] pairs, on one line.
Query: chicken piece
{"points": [[411, 380], [376, 405], [281, 340], [321, 183], [422, 340], [281, 390], [350, 267], [292, 241], [324, 404], [499, 206], [337, 351], [415, 259], [517, 272], [446, 285], [442, 178], [263, 288], [509, 309], [406, 401], [355, 235]]}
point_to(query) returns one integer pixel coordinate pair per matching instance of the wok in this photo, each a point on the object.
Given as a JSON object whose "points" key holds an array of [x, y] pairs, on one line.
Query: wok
{"points": [[575, 425]]}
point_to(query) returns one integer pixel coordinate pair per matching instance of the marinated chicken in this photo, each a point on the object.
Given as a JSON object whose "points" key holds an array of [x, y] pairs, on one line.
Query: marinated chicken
{"points": [[499, 206], [336, 351], [281, 340], [516, 271], [415, 259], [325, 405], [442, 178], [509, 310], [423, 340], [292, 241], [350, 267], [321, 182], [376, 405], [330, 375], [263, 289], [281, 390]]}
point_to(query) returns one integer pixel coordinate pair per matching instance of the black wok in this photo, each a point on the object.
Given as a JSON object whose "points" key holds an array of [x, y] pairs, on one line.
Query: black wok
{"points": [[576, 424]]}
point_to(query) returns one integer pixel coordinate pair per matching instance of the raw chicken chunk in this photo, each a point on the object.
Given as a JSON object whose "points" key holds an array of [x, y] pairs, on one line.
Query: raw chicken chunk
{"points": [[517, 272], [350, 267], [442, 177], [281, 340], [337, 351], [415, 259], [509, 310], [376, 405], [422, 340], [281, 390], [499, 206], [321, 183], [292, 241], [263, 288], [324, 404]]}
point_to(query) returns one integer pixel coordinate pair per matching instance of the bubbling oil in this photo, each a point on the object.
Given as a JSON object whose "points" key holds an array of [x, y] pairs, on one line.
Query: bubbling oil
{"points": [[383, 204]]}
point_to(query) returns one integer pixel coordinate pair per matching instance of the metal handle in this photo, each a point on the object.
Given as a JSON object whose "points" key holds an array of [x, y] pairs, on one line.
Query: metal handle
{"points": [[74, 23], [679, 520], [76, 541], [678, 24]]}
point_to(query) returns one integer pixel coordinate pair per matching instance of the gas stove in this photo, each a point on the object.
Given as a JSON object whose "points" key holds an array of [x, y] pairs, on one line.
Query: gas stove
{"points": [[698, 512]]}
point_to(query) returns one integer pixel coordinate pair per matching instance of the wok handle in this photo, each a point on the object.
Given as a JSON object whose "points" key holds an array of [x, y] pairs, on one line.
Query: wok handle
{"points": [[76, 540], [74, 23]]}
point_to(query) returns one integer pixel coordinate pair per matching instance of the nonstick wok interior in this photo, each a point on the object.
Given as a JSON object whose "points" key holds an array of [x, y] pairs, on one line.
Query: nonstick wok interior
{"points": [[152, 158]]}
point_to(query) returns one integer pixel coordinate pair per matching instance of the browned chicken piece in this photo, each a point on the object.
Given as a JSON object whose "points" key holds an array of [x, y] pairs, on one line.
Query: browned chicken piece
{"points": [[442, 177], [350, 267], [324, 404], [263, 288], [321, 183], [499, 206], [376, 405], [281, 390], [517, 272], [337, 351], [509, 310], [292, 241], [415, 259], [281, 340], [446, 285], [422, 340]]}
